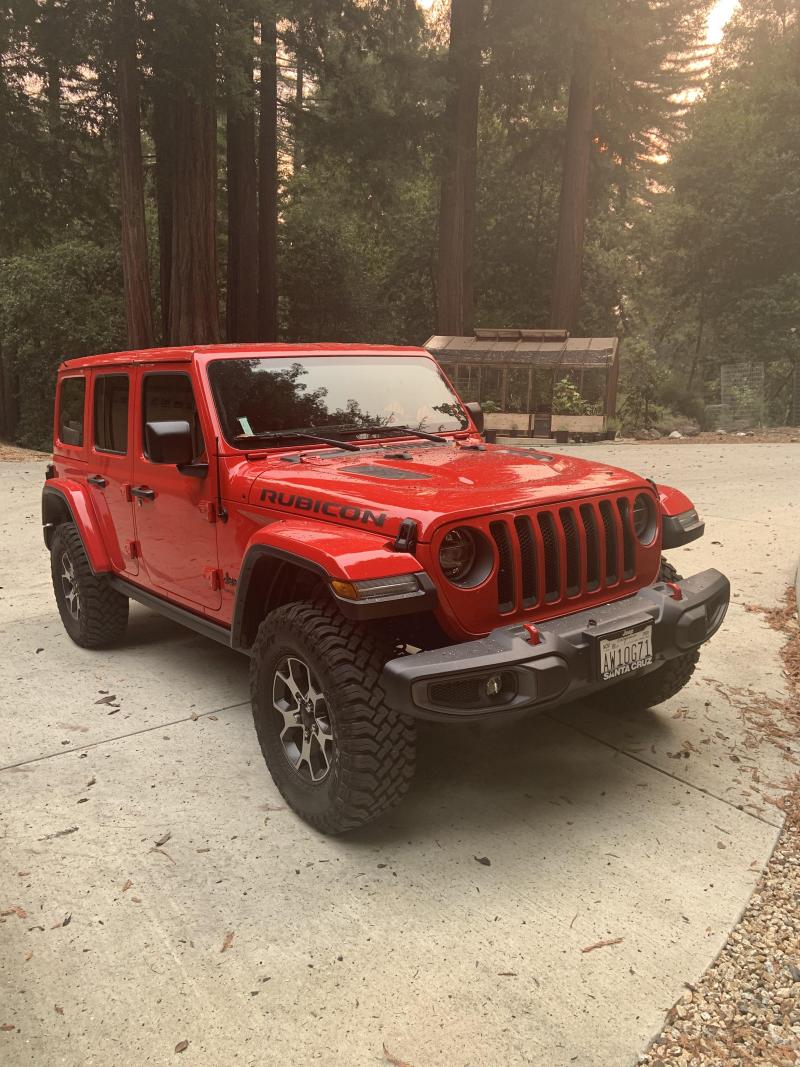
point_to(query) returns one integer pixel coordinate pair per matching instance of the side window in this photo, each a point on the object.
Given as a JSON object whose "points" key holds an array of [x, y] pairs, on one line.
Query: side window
{"points": [[168, 398], [111, 413], [70, 411]]}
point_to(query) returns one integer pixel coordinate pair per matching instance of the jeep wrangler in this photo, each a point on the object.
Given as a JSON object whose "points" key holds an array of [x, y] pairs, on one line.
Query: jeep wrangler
{"points": [[333, 512]]}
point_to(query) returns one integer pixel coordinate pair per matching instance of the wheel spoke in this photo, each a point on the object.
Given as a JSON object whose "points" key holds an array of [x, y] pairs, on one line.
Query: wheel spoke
{"points": [[303, 719]]}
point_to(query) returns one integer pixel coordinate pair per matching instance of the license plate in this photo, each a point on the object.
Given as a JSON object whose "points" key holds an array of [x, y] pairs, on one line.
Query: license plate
{"points": [[625, 652]]}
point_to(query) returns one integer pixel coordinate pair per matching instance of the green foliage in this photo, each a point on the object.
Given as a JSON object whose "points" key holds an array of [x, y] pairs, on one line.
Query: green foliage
{"points": [[567, 399], [55, 304], [717, 255]]}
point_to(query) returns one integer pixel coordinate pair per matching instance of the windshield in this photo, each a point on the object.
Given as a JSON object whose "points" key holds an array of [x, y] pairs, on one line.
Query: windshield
{"points": [[262, 396]]}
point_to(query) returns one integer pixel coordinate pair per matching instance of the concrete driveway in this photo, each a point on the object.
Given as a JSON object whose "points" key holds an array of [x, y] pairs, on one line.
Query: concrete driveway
{"points": [[260, 942]]}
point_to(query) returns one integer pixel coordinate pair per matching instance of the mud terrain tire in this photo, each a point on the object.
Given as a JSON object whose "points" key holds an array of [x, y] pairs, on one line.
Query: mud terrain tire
{"points": [[312, 666], [94, 614]]}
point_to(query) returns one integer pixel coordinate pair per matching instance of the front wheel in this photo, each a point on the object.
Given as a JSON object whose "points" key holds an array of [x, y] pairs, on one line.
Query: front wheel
{"points": [[339, 755]]}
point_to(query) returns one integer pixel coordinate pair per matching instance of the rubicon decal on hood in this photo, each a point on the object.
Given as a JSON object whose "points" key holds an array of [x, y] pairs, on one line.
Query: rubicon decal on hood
{"points": [[334, 508]]}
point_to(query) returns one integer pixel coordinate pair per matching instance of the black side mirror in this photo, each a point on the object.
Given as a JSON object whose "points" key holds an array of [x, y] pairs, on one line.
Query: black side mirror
{"points": [[169, 442], [476, 414]]}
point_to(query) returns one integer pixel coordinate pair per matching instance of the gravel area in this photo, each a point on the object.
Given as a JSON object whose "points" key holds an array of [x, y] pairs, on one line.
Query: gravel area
{"points": [[746, 1008]]}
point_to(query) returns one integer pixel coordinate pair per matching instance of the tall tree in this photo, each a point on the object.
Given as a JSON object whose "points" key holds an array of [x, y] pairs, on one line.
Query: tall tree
{"points": [[242, 289], [268, 182], [193, 303], [135, 265], [457, 205], [565, 304]]}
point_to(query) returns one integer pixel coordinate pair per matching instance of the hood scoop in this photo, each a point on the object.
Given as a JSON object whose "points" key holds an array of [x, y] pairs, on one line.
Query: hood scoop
{"points": [[387, 474]]}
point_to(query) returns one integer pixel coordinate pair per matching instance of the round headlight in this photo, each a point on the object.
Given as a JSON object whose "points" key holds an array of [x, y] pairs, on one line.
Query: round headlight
{"points": [[644, 518], [457, 554]]}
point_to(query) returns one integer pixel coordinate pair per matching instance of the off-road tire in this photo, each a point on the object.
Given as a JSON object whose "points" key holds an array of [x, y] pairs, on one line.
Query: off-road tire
{"points": [[374, 746], [103, 612], [650, 689]]}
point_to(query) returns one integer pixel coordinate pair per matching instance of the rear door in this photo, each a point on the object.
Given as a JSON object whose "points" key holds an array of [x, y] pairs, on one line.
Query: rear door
{"points": [[110, 464], [174, 512]]}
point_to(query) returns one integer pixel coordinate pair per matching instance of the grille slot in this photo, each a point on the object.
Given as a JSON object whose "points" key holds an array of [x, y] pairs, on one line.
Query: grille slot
{"points": [[570, 529], [592, 547], [610, 529], [551, 562], [527, 550], [628, 556], [505, 572]]}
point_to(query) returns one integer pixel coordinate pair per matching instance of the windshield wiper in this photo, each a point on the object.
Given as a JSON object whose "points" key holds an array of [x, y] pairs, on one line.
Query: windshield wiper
{"points": [[296, 435], [398, 429]]}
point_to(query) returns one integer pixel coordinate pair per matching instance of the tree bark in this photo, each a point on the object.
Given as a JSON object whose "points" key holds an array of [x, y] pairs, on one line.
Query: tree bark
{"points": [[565, 304], [457, 204], [135, 265], [242, 299], [268, 184], [193, 306], [163, 131]]}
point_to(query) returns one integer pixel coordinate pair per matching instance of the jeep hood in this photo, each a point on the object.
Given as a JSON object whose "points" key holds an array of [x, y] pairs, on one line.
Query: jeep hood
{"points": [[430, 483]]}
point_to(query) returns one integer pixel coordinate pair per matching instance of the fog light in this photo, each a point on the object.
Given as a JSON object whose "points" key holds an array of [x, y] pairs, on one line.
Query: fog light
{"points": [[494, 685]]}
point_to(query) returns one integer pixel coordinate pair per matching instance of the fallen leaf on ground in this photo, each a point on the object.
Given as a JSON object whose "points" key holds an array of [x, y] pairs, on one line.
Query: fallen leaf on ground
{"points": [[226, 944], [59, 1009], [127, 886], [506, 974], [7, 1027], [23, 874], [484, 860], [19, 912], [393, 1059], [181, 1046], [107, 700], [603, 944], [163, 853], [164, 838], [60, 833]]}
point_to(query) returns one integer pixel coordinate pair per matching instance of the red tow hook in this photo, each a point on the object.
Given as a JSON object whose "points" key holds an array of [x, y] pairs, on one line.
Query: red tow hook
{"points": [[675, 590], [534, 634]]}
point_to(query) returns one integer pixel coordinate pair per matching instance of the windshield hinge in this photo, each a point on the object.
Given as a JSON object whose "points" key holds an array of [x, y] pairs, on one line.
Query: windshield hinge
{"points": [[406, 540]]}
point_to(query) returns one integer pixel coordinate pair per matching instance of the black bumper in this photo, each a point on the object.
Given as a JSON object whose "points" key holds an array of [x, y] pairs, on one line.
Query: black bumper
{"points": [[448, 684]]}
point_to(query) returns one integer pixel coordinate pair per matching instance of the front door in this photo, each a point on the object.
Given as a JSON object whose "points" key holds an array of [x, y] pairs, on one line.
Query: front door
{"points": [[177, 540], [111, 466]]}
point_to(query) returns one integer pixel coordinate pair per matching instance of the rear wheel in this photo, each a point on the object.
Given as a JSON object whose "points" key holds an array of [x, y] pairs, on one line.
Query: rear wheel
{"points": [[659, 685], [339, 755], [94, 614]]}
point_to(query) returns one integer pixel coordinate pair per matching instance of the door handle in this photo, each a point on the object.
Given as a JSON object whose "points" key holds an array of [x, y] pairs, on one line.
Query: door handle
{"points": [[143, 492], [98, 480]]}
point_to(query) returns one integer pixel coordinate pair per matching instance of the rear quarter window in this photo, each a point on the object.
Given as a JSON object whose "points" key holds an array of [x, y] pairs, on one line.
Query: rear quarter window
{"points": [[71, 411]]}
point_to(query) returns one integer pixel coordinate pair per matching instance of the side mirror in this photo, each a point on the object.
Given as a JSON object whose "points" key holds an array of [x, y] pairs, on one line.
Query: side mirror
{"points": [[476, 414], [169, 442]]}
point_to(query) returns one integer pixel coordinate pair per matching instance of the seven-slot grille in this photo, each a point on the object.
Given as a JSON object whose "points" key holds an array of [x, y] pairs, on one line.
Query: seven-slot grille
{"points": [[558, 553]]}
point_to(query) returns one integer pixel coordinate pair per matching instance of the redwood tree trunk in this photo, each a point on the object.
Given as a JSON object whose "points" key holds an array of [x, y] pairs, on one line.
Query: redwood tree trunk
{"points": [[163, 131], [268, 185], [565, 305], [457, 205], [193, 308], [242, 302], [135, 266]]}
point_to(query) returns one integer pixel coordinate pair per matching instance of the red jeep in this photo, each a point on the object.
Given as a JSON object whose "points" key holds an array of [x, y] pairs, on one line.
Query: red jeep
{"points": [[333, 512]]}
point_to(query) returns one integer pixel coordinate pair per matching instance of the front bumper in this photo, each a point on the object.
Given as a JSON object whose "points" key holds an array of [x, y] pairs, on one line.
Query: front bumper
{"points": [[448, 684]]}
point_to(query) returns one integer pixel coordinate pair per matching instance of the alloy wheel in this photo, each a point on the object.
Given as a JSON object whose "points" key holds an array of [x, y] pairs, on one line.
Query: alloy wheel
{"points": [[70, 587], [303, 718]]}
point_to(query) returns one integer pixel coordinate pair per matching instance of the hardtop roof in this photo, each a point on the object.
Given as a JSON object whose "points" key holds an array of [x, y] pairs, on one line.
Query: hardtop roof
{"points": [[186, 353]]}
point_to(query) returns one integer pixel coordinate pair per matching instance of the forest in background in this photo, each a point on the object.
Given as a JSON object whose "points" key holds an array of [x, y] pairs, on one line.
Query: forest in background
{"points": [[189, 171]]}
